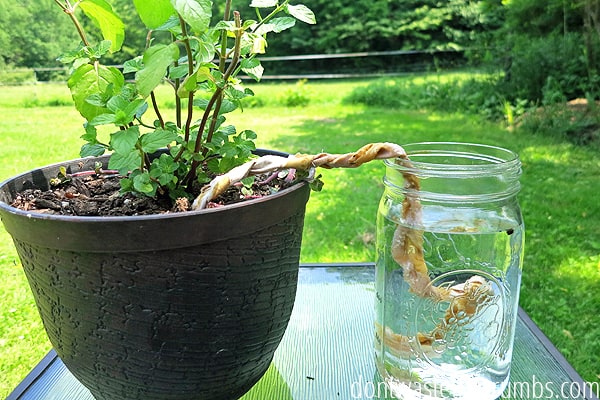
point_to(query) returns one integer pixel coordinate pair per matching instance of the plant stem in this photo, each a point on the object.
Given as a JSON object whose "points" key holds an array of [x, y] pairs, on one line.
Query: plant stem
{"points": [[218, 95], [223, 52], [222, 65], [142, 157], [177, 98], [152, 95], [216, 98], [177, 101], [156, 110], [190, 58], [271, 15], [218, 101], [70, 11]]}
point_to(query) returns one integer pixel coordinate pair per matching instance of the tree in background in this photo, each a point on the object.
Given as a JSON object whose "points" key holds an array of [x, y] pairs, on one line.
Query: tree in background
{"points": [[32, 32], [344, 26], [552, 49], [591, 24], [367, 25], [347, 26]]}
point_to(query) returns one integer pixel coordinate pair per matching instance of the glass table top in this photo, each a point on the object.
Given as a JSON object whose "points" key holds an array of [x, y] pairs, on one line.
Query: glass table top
{"points": [[327, 350]]}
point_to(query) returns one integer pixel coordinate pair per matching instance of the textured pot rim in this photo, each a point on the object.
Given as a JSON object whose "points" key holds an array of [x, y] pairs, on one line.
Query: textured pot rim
{"points": [[88, 232]]}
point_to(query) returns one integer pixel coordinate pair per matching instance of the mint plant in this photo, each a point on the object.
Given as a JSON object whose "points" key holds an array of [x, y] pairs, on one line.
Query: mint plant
{"points": [[201, 63]]}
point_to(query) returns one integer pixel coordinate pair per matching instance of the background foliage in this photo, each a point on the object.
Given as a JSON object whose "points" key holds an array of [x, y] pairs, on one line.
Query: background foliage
{"points": [[547, 50]]}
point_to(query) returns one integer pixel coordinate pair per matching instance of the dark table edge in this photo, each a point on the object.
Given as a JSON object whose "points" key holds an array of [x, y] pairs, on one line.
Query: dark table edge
{"points": [[49, 358], [33, 375]]}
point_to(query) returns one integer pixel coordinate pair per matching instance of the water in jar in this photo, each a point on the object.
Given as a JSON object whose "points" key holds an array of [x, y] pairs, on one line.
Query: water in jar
{"points": [[432, 348]]}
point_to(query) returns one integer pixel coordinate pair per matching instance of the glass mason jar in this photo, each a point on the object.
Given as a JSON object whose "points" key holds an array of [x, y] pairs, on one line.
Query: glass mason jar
{"points": [[449, 256]]}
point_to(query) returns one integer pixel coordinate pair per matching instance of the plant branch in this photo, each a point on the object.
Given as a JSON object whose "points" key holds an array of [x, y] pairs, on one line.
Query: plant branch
{"points": [[217, 98], [152, 95], [222, 63], [177, 102], [213, 120], [70, 11], [141, 123], [228, 73], [190, 57], [271, 15], [156, 110], [223, 52]]}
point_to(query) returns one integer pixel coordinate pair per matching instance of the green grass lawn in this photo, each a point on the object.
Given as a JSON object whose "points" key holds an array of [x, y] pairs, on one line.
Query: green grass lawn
{"points": [[559, 198]]}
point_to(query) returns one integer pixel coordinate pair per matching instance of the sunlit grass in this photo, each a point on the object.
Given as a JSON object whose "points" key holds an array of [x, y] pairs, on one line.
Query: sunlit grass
{"points": [[561, 283]]}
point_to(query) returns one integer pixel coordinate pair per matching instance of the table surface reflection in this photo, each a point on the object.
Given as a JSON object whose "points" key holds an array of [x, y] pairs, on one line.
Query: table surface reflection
{"points": [[327, 351]]}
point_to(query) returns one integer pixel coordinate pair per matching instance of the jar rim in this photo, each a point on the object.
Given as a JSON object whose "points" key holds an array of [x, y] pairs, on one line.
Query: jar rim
{"points": [[460, 158]]}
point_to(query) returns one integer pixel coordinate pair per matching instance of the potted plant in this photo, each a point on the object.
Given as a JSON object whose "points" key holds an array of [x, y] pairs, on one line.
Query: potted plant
{"points": [[170, 305], [145, 291]]}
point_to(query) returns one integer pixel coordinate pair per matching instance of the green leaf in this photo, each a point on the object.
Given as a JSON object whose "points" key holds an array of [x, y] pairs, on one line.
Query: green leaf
{"points": [[166, 163], [197, 13], [249, 181], [135, 108], [227, 163], [302, 13], [81, 61], [125, 162], [126, 185], [225, 26], [154, 13], [163, 169], [204, 73], [188, 86], [91, 134], [117, 103], [123, 142], [316, 184], [227, 106], [276, 25], [143, 184], [141, 110], [178, 72], [248, 135], [87, 81], [125, 109], [103, 17], [97, 52], [253, 68], [235, 94], [92, 150], [96, 99], [133, 65], [156, 62], [156, 139], [283, 23], [173, 25], [103, 119], [228, 130], [205, 52], [162, 178], [263, 3], [69, 56]]}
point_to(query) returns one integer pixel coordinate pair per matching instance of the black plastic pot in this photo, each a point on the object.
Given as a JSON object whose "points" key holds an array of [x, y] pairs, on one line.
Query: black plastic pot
{"points": [[166, 307]]}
